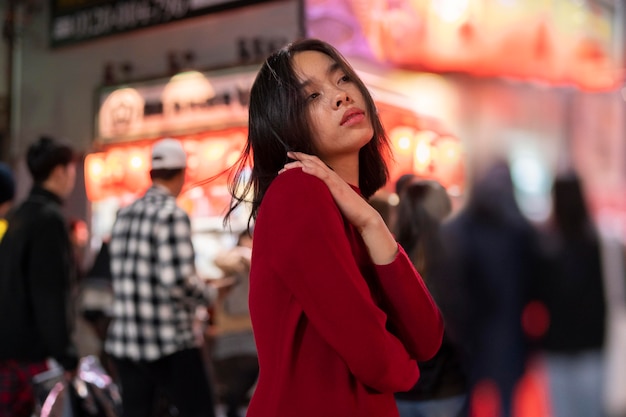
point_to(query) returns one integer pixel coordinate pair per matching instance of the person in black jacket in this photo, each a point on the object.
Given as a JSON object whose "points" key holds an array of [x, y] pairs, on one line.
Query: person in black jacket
{"points": [[35, 279], [442, 387], [491, 256], [573, 293]]}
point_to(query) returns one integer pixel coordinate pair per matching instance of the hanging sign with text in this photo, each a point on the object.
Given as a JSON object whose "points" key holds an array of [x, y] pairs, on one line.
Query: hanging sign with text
{"points": [[80, 20]]}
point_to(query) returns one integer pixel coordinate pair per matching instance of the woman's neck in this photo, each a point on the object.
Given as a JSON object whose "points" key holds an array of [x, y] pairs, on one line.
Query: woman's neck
{"points": [[347, 167]]}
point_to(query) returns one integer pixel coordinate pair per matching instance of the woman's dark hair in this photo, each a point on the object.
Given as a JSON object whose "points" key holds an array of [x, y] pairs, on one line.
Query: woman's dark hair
{"points": [[45, 154], [278, 123], [423, 205]]}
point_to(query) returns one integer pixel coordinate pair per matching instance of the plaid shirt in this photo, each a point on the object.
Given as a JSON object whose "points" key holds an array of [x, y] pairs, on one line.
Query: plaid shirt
{"points": [[155, 284]]}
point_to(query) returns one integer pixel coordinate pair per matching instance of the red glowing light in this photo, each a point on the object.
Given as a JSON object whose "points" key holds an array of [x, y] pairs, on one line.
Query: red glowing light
{"points": [[485, 400], [535, 319]]}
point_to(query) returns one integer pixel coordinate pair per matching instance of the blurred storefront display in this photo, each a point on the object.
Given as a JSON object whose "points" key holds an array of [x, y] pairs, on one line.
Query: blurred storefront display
{"points": [[564, 42], [533, 81]]}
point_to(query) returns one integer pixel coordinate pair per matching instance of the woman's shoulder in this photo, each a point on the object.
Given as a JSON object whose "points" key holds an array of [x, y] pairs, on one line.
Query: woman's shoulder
{"points": [[296, 191], [296, 184]]}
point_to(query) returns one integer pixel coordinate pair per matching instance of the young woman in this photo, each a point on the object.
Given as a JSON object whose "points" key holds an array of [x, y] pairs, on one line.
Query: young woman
{"points": [[340, 316]]}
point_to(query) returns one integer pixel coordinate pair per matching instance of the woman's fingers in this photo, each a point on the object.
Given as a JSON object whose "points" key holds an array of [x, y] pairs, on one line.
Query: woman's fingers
{"points": [[310, 164]]}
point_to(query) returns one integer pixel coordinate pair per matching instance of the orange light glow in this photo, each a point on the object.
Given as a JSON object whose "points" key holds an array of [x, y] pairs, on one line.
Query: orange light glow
{"points": [[136, 162], [404, 143], [428, 153], [94, 173], [123, 170], [449, 150], [95, 165], [232, 158], [214, 151], [193, 162], [136, 175], [402, 138], [114, 165], [422, 155]]}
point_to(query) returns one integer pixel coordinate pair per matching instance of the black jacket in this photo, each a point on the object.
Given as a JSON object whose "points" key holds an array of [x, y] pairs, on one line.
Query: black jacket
{"points": [[35, 283], [573, 292]]}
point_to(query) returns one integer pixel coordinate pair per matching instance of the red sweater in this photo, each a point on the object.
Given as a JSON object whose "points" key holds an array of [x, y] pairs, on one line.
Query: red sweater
{"points": [[336, 335]]}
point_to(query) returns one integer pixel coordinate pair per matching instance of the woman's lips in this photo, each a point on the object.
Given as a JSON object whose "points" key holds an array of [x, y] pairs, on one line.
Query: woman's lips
{"points": [[352, 117]]}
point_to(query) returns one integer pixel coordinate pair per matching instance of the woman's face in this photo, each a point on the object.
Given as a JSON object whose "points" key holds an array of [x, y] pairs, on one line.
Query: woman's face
{"points": [[337, 111]]}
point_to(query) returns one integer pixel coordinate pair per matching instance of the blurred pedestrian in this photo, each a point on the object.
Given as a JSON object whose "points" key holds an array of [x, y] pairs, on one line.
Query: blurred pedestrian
{"points": [[340, 316], [234, 352], [441, 390], [614, 271], [7, 194], [35, 279], [573, 293], [401, 183], [156, 293], [492, 255]]}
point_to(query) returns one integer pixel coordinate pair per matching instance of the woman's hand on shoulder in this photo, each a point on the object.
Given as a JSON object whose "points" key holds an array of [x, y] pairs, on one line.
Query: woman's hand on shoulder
{"points": [[355, 208]]}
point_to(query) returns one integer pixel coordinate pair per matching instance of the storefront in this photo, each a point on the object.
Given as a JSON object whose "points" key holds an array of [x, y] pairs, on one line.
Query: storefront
{"points": [[536, 82]]}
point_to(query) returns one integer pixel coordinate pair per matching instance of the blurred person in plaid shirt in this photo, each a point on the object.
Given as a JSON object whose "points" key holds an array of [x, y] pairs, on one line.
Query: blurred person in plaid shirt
{"points": [[156, 293], [36, 279]]}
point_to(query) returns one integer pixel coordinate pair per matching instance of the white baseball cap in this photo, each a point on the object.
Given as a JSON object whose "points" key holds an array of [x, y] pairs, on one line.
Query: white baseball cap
{"points": [[168, 154]]}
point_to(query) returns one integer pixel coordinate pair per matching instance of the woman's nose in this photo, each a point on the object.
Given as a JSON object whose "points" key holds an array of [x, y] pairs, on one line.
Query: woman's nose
{"points": [[342, 97]]}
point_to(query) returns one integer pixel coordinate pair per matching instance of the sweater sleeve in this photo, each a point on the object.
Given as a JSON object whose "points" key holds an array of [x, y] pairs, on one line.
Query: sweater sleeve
{"points": [[311, 253], [413, 313], [49, 280]]}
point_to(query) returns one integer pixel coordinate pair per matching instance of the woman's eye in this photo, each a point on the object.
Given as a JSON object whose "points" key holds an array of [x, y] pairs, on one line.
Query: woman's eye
{"points": [[345, 78], [313, 96]]}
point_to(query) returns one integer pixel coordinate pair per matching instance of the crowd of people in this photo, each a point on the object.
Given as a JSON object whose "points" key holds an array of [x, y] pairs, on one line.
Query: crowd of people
{"points": [[340, 307]]}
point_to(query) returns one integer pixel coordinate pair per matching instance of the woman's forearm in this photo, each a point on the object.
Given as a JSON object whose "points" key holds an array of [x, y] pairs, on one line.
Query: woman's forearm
{"points": [[379, 241]]}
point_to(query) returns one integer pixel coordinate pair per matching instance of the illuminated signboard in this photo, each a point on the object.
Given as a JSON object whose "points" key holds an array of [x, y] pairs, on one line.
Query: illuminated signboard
{"points": [[564, 42], [80, 20], [188, 102]]}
